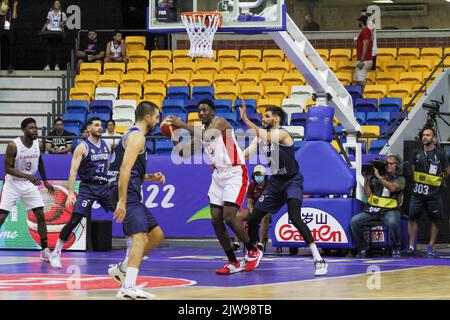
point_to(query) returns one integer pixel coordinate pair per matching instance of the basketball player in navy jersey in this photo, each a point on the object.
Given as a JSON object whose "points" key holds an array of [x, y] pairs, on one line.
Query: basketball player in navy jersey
{"points": [[90, 160], [285, 184], [128, 164]]}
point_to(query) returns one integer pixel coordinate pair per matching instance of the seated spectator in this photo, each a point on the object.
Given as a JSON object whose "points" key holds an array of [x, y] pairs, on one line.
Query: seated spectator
{"points": [[110, 132], [84, 134], [115, 49], [90, 50], [54, 28], [58, 141], [310, 24], [8, 16]]}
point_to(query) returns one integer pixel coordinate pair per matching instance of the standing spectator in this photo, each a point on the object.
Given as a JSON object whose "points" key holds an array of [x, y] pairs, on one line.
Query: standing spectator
{"points": [[372, 28], [115, 49], [430, 169], [90, 50], [310, 24], [58, 141], [111, 132], [7, 31], [363, 52], [56, 20]]}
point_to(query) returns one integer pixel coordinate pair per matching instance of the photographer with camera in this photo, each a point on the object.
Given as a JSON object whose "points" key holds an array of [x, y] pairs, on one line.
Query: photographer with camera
{"points": [[430, 169], [384, 191]]}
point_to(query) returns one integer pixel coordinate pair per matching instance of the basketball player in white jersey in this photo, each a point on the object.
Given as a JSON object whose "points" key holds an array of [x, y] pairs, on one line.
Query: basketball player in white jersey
{"points": [[229, 180], [115, 49], [22, 161]]}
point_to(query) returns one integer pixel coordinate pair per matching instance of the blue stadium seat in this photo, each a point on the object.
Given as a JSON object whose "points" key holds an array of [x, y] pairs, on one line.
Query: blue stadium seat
{"points": [[150, 146], [183, 116], [355, 92], [378, 118], [201, 93], [178, 93], [339, 129], [73, 129], [173, 106], [360, 117], [256, 118], [395, 115], [77, 106], [363, 146], [249, 103], [231, 118], [163, 146], [223, 105], [74, 119], [103, 116], [390, 104], [157, 131], [298, 144], [366, 105], [376, 146], [298, 119], [101, 106], [191, 105]]}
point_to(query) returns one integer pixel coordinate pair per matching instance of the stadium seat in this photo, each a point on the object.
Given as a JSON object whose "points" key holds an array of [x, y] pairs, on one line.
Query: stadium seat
{"points": [[227, 55], [446, 51], [370, 130], [355, 92], [250, 105], [191, 105], [360, 117], [340, 55], [139, 56], [182, 116], [399, 91], [252, 92], [273, 55], [83, 93], [397, 117], [265, 103], [250, 55], [270, 79], [422, 65], [193, 119], [201, 59], [410, 78], [181, 56], [75, 130], [121, 129], [346, 66], [124, 106], [247, 79], [135, 43], [178, 79], [117, 68], [407, 54], [333, 65], [387, 78], [74, 119], [90, 68], [390, 104], [366, 105], [179, 93], [323, 53], [231, 118], [106, 93], [386, 54], [184, 67], [346, 78], [132, 80], [378, 118], [371, 78], [376, 146], [101, 106], [208, 67], [201, 80], [278, 67], [231, 67], [256, 118], [104, 117], [298, 119], [137, 67], [77, 106], [130, 93], [292, 105], [221, 79], [276, 92], [375, 91], [293, 79], [395, 66], [226, 92], [155, 80], [161, 68], [431, 53], [173, 106], [123, 119], [300, 91], [155, 94], [201, 93], [255, 67], [88, 81], [158, 56], [163, 146], [109, 80]]}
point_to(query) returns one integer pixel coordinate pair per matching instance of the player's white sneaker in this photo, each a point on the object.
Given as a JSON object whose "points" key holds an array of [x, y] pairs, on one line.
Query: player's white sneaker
{"points": [[321, 268], [134, 293], [116, 273], [45, 254], [55, 260]]}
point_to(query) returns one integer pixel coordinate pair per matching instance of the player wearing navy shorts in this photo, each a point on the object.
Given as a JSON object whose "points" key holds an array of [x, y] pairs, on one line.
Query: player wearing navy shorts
{"points": [[285, 184], [90, 160], [128, 166]]}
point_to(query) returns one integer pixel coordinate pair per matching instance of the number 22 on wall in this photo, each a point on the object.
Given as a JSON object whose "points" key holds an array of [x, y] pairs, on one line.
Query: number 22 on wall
{"points": [[154, 191]]}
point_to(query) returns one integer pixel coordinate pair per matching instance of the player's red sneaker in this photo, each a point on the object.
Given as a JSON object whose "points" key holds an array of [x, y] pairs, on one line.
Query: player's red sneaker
{"points": [[252, 258], [230, 267]]}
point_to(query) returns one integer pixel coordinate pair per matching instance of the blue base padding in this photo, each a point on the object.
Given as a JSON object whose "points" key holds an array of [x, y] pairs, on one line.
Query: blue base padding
{"points": [[328, 219]]}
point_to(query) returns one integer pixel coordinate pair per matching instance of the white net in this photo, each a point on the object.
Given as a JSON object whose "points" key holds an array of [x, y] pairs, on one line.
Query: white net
{"points": [[201, 28]]}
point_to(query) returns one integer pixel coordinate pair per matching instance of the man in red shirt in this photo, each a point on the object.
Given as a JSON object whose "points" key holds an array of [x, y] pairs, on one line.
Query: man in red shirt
{"points": [[364, 45]]}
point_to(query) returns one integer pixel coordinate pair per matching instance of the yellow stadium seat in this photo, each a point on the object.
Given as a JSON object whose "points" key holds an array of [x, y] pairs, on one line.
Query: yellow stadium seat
{"points": [[135, 43], [252, 92], [293, 79], [276, 92], [271, 79], [262, 104], [161, 56], [370, 130], [231, 67], [250, 55], [178, 79], [292, 67], [446, 63], [386, 78], [431, 53], [214, 58], [156, 101], [228, 55], [181, 56], [121, 129], [323, 53], [224, 79], [346, 66], [247, 79], [90, 68], [309, 103], [371, 78], [89, 81], [406, 54], [155, 80], [132, 80], [255, 67], [386, 54], [375, 91], [184, 67], [270, 55], [333, 65], [420, 65], [354, 54], [446, 51], [208, 67], [340, 54], [154, 93], [395, 66], [201, 80], [114, 68], [416, 88], [226, 92], [139, 56], [81, 93], [193, 119], [278, 67], [427, 74], [410, 78], [161, 68], [130, 93], [137, 67], [109, 80], [346, 78], [399, 91]]}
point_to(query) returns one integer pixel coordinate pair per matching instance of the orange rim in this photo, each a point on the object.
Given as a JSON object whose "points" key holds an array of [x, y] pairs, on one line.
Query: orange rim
{"points": [[203, 13]]}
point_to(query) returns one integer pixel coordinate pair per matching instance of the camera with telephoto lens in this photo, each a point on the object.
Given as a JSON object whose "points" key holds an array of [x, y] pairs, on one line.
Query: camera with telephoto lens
{"points": [[380, 164]]}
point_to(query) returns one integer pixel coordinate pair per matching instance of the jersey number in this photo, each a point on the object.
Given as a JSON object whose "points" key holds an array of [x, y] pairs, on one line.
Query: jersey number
{"points": [[154, 191], [28, 166], [420, 189]]}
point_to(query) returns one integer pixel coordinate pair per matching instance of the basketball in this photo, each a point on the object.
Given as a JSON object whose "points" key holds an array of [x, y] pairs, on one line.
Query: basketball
{"points": [[167, 130]]}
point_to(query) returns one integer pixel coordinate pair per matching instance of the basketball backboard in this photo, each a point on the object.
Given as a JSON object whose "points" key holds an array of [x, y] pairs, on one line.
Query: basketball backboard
{"points": [[238, 16]]}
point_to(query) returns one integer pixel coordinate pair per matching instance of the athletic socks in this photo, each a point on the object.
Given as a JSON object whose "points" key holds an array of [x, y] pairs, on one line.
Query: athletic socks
{"points": [[44, 244], [231, 256], [59, 246], [130, 278], [315, 252]]}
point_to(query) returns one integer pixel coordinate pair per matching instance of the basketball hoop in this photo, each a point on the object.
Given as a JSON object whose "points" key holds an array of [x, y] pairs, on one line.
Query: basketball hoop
{"points": [[201, 27]]}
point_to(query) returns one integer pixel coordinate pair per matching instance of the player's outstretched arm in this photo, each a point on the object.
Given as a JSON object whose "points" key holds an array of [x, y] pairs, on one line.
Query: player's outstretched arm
{"points": [[41, 169], [78, 154], [10, 156]]}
